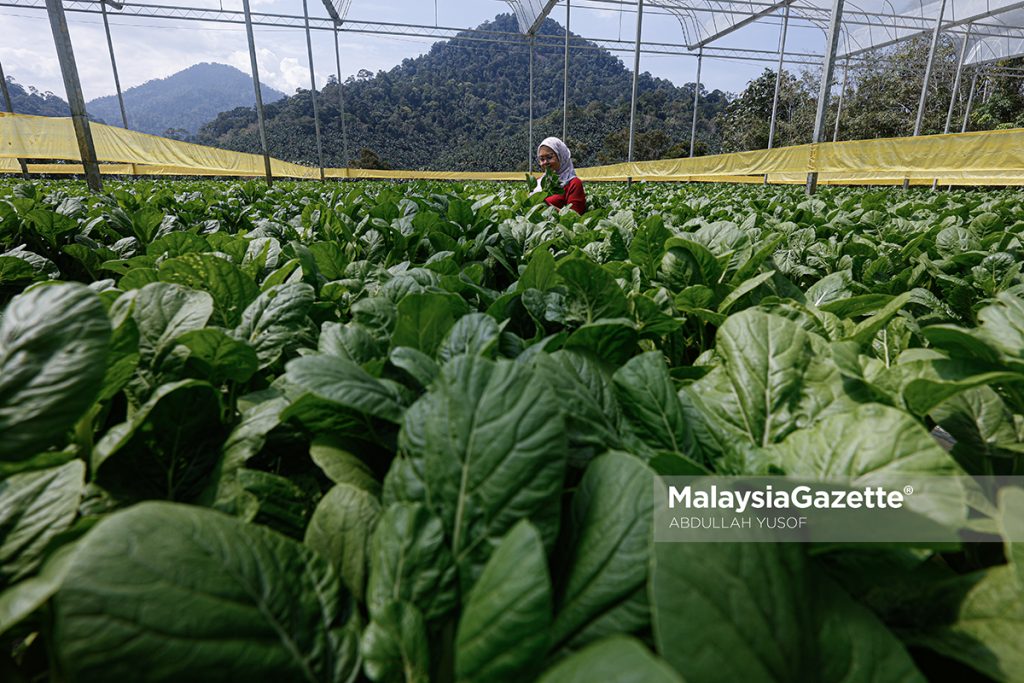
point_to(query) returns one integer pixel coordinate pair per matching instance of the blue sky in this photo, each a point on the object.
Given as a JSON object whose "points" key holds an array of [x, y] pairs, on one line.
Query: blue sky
{"points": [[155, 48]]}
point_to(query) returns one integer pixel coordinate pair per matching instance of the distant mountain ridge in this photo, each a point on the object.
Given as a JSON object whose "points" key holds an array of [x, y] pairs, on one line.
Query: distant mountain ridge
{"points": [[27, 100], [176, 106], [464, 106], [181, 103]]}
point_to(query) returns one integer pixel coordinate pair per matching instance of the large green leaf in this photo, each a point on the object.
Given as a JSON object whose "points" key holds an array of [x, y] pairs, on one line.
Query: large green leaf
{"points": [[342, 466], [539, 273], [222, 490], [613, 340], [424, 320], [592, 291], [983, 427], [650, 404], [14, 269], [394, 645], [411, 563], [489, 440], [881, 446], [584, 390], [416, 364], [340, 531], [351, 341], [219, 357], [866, 330], [831, 288], [231, 289], [341, 381], [986, 627], [53, 349], [1002, 324], [648, 245], [503, 631], [475, 333], [34, 508], [165, 592], [762, 612], [777, 379], [616, 659], [167, 448], [277, 321], [25, 597], [163, 312], [686, 262], [870, 439], [604, 590]]}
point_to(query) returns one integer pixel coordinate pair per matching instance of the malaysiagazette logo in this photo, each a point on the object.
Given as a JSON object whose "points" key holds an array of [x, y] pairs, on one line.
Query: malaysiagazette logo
{"points": [[768, 498]]}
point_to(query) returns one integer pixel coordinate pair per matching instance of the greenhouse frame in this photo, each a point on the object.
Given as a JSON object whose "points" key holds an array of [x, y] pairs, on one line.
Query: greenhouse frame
{"points": [[987, 30]]}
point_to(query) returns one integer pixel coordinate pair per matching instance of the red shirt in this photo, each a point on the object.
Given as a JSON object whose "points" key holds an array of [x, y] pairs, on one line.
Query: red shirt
{"points": [[573, 196]]}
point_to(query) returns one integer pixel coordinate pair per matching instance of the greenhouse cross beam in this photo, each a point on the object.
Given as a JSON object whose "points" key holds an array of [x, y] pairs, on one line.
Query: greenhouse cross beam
{"points": [[171, 12], [743, 22], [815, 17], [548, 6]]}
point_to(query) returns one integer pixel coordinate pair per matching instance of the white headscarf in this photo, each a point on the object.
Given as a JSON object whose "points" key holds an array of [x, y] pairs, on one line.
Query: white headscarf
{"points": [[566, 171]]}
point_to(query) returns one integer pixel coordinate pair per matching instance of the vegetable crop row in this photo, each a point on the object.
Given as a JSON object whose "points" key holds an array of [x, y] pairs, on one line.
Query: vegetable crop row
{"points": [[410, 432]]}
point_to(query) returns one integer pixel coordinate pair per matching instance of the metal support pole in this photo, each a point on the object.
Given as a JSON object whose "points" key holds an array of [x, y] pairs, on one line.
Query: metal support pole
{"points": [[927, 77], [970, 102], [73, 88], [828, 68], [530, 153], [696, 102], [956, 89], [113, 65], [341, 99], [565, 77], [636, 76], [10, 108], [778, 81], [970, 105], [312, 91], [778, 84], [956, 80], [259, 95], [842, 96]]}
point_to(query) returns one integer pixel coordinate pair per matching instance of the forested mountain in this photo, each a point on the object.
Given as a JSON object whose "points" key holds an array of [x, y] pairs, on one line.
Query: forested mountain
{"points": [[179, 104], [464, 105], [28, 100]]}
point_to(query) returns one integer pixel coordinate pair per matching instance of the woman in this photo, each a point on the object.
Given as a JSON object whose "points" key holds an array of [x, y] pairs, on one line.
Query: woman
{"points": [[552, 153]]}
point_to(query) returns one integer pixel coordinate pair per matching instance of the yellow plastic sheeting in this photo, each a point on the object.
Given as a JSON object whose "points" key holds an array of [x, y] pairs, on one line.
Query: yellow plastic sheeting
{"points": [[369, 174], [1010, 179], [965, 156], [44, 137], [783, 160], [983, 158]]}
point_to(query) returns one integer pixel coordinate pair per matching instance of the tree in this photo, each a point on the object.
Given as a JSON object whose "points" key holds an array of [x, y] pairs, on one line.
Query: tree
{"points": [[370, 160]]}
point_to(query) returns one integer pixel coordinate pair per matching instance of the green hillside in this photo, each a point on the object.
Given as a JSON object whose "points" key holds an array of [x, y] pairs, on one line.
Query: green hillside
{"points": [[464, 105]]}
